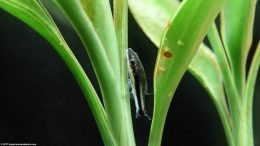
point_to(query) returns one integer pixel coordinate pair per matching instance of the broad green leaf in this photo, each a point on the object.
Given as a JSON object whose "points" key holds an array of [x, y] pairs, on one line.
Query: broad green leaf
{"points": [[55, 12], [178, 47], [237, 20], [161, 12], [229, 84], [153, 16], [34, 14], [108, 77], [206, 62], [100, 15]]}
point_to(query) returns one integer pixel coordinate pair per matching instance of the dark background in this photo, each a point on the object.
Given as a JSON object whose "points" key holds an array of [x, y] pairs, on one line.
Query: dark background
{"points": [[41, 103]]}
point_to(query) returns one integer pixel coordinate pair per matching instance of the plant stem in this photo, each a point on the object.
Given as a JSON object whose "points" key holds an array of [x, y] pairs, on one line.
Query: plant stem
{"points": [[88, 90], [233, 98], [241, 111], [126, 136], [242, 136], [251, 80]]}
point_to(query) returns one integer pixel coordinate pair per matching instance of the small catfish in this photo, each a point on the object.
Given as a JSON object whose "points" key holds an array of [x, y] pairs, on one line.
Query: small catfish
{"points": [[137, 82]]}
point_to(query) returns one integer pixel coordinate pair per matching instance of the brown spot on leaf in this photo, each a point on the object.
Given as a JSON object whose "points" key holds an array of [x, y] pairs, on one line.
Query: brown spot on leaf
{"points": [[167, 54]]}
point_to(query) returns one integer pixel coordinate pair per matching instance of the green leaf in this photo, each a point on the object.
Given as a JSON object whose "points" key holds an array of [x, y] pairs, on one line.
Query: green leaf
{"points": [[153, 16], [100, 15], [144, 10], [121, 27], [120, 21], [237, 20], [218, 48], [206, 62], [178, 46], [252, 76], [109, 77], [232, 95], [206, 69], [34, 14], [250, 87]]}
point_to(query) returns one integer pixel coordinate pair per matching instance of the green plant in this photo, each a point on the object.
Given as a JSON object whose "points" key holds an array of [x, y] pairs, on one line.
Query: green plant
{"points": [[178, 32]]}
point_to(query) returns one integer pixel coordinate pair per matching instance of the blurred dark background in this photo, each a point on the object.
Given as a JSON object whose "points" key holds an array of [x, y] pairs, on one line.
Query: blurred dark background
{"points": [[41, 103]]}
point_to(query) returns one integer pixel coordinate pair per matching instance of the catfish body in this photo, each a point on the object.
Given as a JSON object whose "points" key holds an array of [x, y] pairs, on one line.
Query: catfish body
{"points": [[137, 82]]}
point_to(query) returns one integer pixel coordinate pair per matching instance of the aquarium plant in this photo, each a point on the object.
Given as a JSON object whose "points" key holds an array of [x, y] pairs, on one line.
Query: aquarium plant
{"points": [[178, 30]]}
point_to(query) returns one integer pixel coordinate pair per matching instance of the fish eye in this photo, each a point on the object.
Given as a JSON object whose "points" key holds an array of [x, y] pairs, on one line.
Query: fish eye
{"points": [[132, 62]]}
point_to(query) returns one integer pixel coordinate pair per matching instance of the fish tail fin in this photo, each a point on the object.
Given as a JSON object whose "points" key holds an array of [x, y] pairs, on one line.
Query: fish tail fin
{"points": [[141, 113]]}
